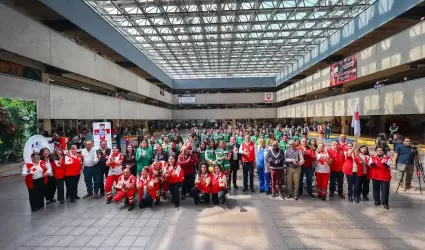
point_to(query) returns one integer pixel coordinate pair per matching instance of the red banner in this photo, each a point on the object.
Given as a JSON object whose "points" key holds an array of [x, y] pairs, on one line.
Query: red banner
{"points": [[344, 71]]}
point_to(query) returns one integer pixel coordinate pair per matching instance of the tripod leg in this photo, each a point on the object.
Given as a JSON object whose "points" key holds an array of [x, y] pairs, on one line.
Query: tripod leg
{"points": [[419, 180], [399, 183]]}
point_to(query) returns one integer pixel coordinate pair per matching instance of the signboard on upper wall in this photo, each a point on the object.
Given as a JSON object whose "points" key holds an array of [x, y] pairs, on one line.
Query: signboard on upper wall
{"points": [[187, 99], [344, 71], [268, 97]]}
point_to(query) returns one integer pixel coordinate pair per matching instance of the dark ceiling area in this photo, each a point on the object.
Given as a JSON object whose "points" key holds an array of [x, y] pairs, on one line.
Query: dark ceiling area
{"points": [[50, 18]]}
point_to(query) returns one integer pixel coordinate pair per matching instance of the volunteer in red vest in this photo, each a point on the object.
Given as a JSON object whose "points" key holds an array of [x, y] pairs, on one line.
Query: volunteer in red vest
{"points": [[114, 163], [50, 190], [218, 185], [202, 189], [307, 168], [155, 170], [343, 142], [59, 173], [247, 149], [364, 158], [380, 173], [127, 188], [73, 166], [187, 162], [146, 188], [35, 178], [354, 171], [322, 170], [174, 175], [338, 158]]}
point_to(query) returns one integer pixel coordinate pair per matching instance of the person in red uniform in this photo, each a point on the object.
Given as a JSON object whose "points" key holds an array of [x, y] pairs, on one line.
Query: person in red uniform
{"points": [[47, 158], [343, 142], [36, 175], [187, 163], [337, 176], [114, 163], [59, 173], [364, 158], [202, 189], [73, 167], [155, 170], [146, 187], [380, 173], [307, 168], [127, 188], [174, 175], [218, 185], [353, 169], [247, 149]]}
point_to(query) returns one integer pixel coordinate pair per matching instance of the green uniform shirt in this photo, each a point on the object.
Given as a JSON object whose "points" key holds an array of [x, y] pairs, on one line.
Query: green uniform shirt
{"points": [[220, 153], [226, 137], [255, 138], [210, 153], [166, 147], [241, 139], [203, 137], [171, 136], [202, 154], [278, 135], [143, 158], [296, 137], [258, 142], [284, 145]]}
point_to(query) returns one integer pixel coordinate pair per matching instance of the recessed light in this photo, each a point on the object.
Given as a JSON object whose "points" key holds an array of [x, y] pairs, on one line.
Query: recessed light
{"points": [[85, 88]]}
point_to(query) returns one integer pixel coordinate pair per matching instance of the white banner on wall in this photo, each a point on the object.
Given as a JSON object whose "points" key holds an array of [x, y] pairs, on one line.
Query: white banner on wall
{"points": [[102, 131], [268, 97], [187, 99]]}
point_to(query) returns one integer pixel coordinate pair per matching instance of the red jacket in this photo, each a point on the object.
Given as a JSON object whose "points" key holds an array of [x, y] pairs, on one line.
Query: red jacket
{"points": [[203, 183], [343, 146], [250, 152], [377, 170], [187, 163], [28, 178], [174, 174], [72, 165], [59, 168], [218, 182], [309, 156], [349, 163], [151, 186], [338, 159], [126, 184]]}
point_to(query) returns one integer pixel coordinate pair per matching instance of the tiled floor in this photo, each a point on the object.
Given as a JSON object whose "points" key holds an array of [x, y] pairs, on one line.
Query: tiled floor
{"points": [[249, 222]]}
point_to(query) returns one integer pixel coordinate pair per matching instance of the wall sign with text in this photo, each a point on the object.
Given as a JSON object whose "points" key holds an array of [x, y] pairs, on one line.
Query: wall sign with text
{"points": [[344, 71]]}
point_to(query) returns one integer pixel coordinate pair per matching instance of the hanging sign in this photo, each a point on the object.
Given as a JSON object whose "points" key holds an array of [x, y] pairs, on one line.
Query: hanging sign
{"points": [[102, 131], [268, 97]]}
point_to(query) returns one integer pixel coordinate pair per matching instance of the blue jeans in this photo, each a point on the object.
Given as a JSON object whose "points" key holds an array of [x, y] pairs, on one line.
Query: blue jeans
{"points": [[146, 201], [308, 172], [91, 178], [263, 179]]}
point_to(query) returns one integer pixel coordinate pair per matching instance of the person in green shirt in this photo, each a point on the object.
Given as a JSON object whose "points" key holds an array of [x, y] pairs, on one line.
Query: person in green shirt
{"points": [[166, 144], [144, 155], [202, 148], [256, 137], [241, 138], [161, 139], [278, 133], [226, 136], [296, 136], [262, 136], [210, 156], [284, 143], [222, 156]]}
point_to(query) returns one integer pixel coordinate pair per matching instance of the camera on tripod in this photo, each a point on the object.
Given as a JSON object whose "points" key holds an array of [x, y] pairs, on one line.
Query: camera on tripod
{"points": [[417, 163]]}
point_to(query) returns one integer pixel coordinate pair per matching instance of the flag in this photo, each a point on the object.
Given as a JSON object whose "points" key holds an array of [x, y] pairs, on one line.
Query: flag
{"points": [[355, 122]]}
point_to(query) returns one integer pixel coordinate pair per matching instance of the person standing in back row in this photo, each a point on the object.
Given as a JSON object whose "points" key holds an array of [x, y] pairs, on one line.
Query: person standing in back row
{"points": [[91, 177], [337, 176], [102, 169], [247, 150]]}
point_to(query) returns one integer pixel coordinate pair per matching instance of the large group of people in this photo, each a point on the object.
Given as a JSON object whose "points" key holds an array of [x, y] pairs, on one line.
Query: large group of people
{"points": [[205, 164]]}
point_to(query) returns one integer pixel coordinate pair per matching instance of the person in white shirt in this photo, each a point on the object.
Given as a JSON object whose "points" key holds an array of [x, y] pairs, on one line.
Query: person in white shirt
{"points": [[91, 176], [323, 171], [36, 176]]}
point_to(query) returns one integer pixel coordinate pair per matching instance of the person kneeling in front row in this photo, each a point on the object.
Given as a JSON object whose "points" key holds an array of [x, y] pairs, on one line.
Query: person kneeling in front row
{"points": [[218, 185], [201, 190], [127, 188], [146, 188]]}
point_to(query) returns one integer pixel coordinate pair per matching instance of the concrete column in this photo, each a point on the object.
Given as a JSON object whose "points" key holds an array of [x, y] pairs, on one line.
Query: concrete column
{"points": [[345, 125], [233, 122], [47, 125]]}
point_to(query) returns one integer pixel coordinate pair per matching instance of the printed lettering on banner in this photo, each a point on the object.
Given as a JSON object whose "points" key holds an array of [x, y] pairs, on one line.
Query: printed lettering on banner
{"points": [[102, 131], [268, 97]]}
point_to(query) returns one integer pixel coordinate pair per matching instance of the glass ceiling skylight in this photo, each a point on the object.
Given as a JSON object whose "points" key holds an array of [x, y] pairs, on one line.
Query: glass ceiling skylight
{"points": [[199, 39]]}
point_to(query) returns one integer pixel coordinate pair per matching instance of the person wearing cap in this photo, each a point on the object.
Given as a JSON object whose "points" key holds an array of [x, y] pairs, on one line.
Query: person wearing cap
{"points": [[36, 175]]}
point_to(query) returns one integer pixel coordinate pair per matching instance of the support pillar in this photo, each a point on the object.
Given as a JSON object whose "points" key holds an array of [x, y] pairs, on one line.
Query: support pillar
{"points": [[47, 125], [233, 122], [345, 125]]}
